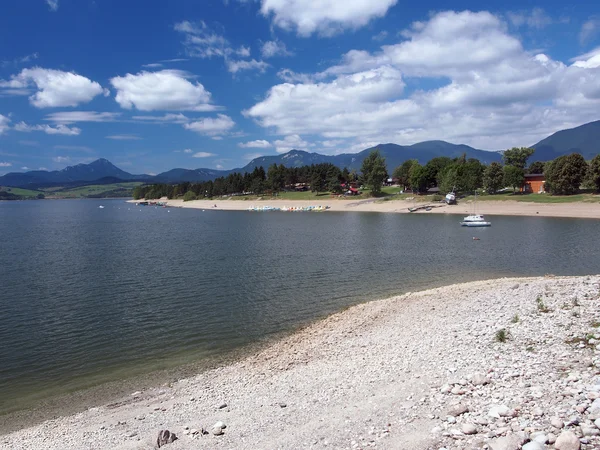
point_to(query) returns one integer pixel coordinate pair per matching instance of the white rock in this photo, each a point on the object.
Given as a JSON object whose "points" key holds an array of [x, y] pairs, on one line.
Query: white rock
{"points": [[498, 411], [588, 430], [557, 423], [479, 379], [469, 428], [512, 442], [457, 410], [533, 445], [219, 424], [538, 412], [567, 441], [539, 437], [597, 423]]}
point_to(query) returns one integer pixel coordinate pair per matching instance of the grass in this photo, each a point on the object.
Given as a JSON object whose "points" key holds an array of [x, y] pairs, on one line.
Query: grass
{"points": [[537, 198], [502, 335], [21, 192], [541, 306], [94, 189], [515, 319]]}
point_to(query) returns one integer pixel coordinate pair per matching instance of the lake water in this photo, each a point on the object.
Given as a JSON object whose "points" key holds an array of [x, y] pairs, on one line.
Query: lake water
{"points": [[90, 295]]}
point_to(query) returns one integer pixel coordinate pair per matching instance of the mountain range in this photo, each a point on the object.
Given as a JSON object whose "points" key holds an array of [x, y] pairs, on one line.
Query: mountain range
{"points": [[584, 139]]}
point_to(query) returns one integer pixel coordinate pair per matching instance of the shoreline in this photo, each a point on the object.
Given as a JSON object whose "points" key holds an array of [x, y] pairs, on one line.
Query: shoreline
{"points": [[580, 210], [378, 375]]}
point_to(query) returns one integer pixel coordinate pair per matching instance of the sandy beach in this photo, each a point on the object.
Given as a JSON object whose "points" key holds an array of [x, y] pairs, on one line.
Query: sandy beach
{"points": [[502, 208], [424, 370]]}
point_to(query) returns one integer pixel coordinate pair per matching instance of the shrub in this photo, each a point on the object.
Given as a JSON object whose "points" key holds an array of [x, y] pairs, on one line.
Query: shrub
{"points": [[501, 335], [189, 195]]}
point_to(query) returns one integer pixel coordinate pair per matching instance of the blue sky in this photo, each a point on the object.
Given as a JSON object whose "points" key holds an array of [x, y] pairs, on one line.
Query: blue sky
{"points": [[153, 85]]}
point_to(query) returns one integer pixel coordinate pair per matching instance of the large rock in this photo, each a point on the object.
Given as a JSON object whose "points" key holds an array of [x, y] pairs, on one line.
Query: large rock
{"points": [[479, 379], [567, 441], [165, 437], [533, 445], [512, 442], [498, 411], [469, 428], [457, 410]]}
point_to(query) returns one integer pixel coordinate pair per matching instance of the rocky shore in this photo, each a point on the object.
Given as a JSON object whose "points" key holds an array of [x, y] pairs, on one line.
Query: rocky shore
{"points": [[500, 364]]}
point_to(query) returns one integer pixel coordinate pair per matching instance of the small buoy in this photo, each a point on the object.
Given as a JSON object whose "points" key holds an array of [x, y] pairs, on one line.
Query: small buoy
{"points": [[475, 238]]}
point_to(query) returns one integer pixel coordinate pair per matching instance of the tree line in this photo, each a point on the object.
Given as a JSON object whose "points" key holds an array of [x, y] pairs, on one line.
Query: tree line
{"points": [[564, 175]]}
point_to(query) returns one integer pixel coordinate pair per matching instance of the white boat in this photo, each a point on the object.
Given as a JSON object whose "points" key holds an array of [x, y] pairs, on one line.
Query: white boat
{"points": [[101, 207], [474, 218], [451, 198], [476, 224]]}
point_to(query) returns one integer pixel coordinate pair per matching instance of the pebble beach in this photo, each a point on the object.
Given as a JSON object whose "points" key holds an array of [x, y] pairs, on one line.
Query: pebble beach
{"points": [[499, 364]]}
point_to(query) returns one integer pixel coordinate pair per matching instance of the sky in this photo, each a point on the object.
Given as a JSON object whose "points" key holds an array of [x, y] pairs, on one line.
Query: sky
{"points": [[152, 84]]}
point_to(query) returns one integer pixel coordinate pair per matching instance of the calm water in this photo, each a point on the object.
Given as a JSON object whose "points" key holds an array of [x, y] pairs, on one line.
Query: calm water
{"points": [[89, 295]]}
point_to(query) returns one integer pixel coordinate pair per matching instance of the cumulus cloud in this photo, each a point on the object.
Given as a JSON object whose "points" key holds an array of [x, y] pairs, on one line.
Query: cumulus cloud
{"points": [[4, 121], [58, 129], [325, 17], [481, 87], [82, 116], [292, 142], [211, 126], [203, 155], [274, 48], [164, 90], [55, 88], [5, 164], [256, 144]]}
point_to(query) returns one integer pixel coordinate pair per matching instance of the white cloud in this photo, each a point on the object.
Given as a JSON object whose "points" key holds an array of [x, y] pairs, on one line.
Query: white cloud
{"points": [[202, 42], [188, 150], [124, 137], [274, 48], [589, 30], [4, 121], [58, 129], [256, 144], [250, 156], [380, 36], [52, 4], [167, 118], [326, 17], [164, 90], [590, 60], [203, 155], [211, 126], [152, 65], [82, 116], [74, 148], [61, 159], [236, 66], [55, 87], [536, 18], [219, 167], [25, 168], [289, 76], [477, 85], [5, 164], [292, 142]]}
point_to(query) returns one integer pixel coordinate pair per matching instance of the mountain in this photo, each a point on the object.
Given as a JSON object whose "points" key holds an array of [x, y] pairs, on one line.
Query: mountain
{"points": [[101, 168], [193, 176], [584, 139]]}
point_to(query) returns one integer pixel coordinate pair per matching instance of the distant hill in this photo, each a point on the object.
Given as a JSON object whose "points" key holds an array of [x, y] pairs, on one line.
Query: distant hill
{"points": [[584, 139], [97, 170]]}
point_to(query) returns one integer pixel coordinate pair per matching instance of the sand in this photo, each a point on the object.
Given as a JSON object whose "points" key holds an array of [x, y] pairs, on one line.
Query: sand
{"points": [[378, 375], [585, 210]]}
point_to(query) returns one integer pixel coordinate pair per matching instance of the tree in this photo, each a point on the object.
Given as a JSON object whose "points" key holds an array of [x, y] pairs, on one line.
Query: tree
{"points": [[374, 171], [536, 167], [189, 195], [594, 172], [517, 157], [317, 183], [276, 177], [418, 178], [434, 167], [493, 178], [402, 172], [565, 174], [514, 177]]}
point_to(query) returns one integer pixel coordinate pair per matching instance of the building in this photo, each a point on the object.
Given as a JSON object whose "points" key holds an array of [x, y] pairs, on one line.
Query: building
{"points": [[534, 183]]}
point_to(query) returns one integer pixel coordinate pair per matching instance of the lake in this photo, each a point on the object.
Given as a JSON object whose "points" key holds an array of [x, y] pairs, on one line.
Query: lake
{"points": [[91, 295]]}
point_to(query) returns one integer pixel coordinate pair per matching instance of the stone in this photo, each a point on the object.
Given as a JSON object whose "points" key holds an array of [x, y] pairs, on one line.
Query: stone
{"points": [[451, 419], [445, 389], [533, 445], [539, 437], [219, 424], [515, 286], [479, 379], [537, 412], [498, 411], [597, 423], [588, 430], [551, 438], [456, 390], [165, 437], [282, 405], [567, 441], [217, 431], [557, 423], [469, 428], [458, 409], [223, 405], [511, 442]]}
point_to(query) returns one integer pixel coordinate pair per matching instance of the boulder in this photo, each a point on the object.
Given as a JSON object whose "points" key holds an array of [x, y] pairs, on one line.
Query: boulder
{"points": [[165, 437], [567, 441]]}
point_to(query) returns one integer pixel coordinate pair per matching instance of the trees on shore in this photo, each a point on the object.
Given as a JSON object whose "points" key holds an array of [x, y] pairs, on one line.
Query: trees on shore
{"points": [[564, 176]]}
